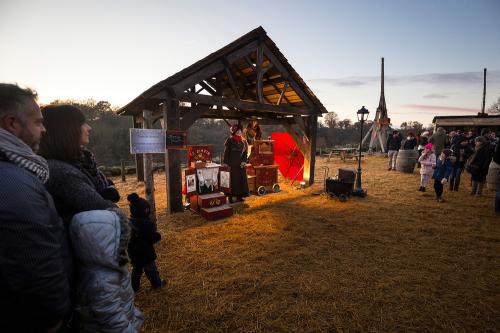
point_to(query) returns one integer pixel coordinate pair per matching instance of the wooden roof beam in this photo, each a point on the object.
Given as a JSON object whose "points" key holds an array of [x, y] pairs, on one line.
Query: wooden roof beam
{"points": [[213, 68], [283, 94], [244, 105], [249, 62], [287, 75]]}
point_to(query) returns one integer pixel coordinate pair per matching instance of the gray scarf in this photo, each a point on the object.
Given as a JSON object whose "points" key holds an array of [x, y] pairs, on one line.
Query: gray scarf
{"points": [[19, 153]]}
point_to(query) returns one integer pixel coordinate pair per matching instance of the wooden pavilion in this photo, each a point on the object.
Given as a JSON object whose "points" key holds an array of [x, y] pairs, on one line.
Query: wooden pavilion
{"points": [[247, 78], [468, 123]]}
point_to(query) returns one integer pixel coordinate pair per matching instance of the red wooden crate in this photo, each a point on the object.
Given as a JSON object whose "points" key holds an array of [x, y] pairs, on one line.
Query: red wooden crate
{"points": [[211, 200], [217, 213], [266, 175]]}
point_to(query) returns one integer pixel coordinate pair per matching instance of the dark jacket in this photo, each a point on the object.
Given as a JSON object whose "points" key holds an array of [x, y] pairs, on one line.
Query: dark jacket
{"points": [[461, 154], [394, 143], [423, 140], [73, 191], [443, 169], [144, 235], [34, 259], [439, 142], [410, 144], [456, 139], [496, 155], [234, 153], [479, 163]]}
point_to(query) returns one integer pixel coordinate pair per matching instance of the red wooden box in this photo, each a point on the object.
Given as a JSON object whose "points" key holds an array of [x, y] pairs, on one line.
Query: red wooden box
{"points": [[207, 200], [211, 200], [262, 153], [217, 213], [266, 175], [193, 201]]}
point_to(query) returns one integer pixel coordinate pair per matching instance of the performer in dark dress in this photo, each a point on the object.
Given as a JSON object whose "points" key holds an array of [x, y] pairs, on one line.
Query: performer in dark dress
{"points": [[235, 156]]}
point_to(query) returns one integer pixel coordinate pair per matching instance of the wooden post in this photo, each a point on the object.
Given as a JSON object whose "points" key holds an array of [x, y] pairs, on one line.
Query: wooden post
{"points": [[173, 173], [258, 67], [139, 158], [310, 155], [122, 164], [484, 92], [148, 168], [310, 161]]}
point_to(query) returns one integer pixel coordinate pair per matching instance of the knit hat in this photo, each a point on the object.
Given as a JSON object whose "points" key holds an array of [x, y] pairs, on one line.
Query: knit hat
{"points": [[234, 128], [138, 206], [428, 146], [480, 139], [446, 152]]}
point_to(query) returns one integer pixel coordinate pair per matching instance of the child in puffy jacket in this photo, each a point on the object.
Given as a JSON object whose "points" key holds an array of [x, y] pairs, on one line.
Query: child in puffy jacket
{"points": [[427, 164], [140, 249], [443, 169], [104, 296]]}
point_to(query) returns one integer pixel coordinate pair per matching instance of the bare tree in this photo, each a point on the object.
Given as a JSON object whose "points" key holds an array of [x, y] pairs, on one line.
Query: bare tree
{"points": [[495, 107], [331, 119]]}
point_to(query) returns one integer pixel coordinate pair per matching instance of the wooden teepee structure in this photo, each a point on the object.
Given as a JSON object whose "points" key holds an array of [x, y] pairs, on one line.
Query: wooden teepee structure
{"points": [[378, 131]]}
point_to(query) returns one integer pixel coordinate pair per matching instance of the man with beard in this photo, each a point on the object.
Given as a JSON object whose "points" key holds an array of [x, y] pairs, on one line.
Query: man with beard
{"points": [[34, 260]]}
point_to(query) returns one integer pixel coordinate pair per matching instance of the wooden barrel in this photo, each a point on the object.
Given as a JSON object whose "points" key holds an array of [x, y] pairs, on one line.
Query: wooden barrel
{"points": [[493, 177], [406, 160]]}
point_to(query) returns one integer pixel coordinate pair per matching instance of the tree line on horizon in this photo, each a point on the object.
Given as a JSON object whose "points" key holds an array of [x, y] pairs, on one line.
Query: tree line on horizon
{"points": [[110, 141]]}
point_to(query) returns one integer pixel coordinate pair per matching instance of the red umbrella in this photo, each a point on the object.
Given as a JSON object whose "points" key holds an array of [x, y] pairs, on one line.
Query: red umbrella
{"points": [[288, 156]]}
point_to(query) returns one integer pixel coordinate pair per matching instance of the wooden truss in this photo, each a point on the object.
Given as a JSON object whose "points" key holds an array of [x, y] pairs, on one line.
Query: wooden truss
{"points": [[248, 78]]}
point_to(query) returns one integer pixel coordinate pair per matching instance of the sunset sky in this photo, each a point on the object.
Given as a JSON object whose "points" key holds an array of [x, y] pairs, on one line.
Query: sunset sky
{"points": [[435, 51]]}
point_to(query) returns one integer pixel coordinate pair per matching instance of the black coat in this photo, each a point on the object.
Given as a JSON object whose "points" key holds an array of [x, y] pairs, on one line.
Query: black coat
{"points": [[143, 236], [423, 140], [479, 164], [394, 143], [461, 154], [496, 155], [234, 154], [73, 191], [34, 258], [410, 144]]}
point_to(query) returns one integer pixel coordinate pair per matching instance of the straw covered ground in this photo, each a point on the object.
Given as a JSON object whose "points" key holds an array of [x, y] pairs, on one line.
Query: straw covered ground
{"points": [[297, 262]]}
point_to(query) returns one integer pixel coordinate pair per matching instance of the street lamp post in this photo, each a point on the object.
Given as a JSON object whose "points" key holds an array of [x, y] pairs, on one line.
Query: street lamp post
{"points": [[362, 117]]}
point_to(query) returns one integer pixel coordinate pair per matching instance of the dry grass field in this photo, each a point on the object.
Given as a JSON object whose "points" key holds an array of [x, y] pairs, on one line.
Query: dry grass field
{"points": [[296, 262]]}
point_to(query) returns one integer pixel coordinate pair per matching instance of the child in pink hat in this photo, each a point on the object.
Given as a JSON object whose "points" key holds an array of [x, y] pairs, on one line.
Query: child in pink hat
{"points": [[428, 162]]}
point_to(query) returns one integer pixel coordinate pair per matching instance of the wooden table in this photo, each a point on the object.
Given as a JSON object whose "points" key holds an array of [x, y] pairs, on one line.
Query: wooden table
{"points": [[343, 153]]}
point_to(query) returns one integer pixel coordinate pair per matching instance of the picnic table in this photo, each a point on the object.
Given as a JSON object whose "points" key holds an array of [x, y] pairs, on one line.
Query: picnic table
{"points": [[343, 153]]}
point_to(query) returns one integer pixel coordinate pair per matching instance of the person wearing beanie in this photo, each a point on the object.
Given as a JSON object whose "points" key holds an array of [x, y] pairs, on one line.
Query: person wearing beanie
{"points": [[235, 156], [140, 249], [461, 152], [441, 173], [477, 165], [428, 162]]}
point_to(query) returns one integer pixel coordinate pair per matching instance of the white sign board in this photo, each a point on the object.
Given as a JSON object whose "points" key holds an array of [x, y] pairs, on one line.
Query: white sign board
{"points": [[147, 141]]}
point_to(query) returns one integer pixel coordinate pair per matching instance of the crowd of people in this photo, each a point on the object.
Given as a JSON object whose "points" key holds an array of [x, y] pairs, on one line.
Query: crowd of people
{"points": [[444, 156], [64, 242]]}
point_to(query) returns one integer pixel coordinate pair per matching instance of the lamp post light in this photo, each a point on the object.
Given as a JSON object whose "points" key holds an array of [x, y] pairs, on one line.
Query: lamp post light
{"points": [[362, 117]]}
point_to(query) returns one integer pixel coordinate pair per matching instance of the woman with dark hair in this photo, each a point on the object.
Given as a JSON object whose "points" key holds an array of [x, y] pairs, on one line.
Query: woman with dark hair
{"points": [[98, 230], [235, 155]]}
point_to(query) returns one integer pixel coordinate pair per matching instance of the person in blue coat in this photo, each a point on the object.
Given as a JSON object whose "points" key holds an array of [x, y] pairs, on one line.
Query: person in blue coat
{"points": [[443, 170], [140, 249]]}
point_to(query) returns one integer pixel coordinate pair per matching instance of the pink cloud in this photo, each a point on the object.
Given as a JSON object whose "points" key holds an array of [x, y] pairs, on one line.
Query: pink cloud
{"points": [[439, 108]]}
